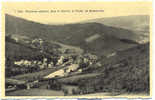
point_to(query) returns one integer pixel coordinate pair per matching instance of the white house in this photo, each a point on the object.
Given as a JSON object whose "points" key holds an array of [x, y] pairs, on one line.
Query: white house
{"points": [[60, 61], [72, 67], [23, 62], [50, 65]]}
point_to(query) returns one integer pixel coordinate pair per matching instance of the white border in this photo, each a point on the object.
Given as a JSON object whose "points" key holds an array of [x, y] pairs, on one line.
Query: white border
{"points": [[75, 0], [153, 42]]}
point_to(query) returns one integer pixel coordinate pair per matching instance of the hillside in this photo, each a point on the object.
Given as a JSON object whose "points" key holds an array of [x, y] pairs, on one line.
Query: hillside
{"points": [[127, 71], [133, 22], [18, 51], [109, 38], [107, 58], [139, 24]]}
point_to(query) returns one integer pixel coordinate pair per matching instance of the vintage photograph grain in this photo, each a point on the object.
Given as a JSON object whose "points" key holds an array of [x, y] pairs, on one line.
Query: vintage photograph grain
{"points": [[105, 56], [102, 49]]}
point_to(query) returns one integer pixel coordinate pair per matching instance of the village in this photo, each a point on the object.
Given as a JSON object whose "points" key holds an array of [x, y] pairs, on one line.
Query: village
{"points": [[61, 65], [63, 68], [59, 70], [97, 56]]}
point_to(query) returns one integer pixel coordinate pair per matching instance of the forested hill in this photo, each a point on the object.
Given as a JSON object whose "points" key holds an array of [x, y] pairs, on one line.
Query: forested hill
{"points": [[94, 37], [133, 22]]}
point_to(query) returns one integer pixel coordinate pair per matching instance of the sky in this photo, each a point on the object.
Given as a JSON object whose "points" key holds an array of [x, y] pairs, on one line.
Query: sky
{"points": [[103, 9]]}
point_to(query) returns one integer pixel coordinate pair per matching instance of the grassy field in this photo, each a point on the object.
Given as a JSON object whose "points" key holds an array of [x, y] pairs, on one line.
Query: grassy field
{"points": [[45, 92], [115, 94], [35, 92]]}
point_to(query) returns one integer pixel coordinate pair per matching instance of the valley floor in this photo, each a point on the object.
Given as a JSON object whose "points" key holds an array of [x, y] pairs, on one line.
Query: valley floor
{"points": [[35, 92], [46, 92], [117, 94]]}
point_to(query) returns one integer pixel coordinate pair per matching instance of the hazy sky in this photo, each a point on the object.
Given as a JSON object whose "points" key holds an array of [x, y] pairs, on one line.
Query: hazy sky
{"points": [[110, 10]]}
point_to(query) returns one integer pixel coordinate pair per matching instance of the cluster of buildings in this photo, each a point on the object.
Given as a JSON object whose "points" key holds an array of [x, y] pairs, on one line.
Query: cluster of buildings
{"points": [[34, 63], [68, 63], [65, 71], [61, 60], [73, 65]]}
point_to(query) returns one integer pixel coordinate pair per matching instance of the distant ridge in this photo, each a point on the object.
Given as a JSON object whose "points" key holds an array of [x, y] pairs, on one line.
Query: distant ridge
{"points": [[109, 40], [131, 22]]}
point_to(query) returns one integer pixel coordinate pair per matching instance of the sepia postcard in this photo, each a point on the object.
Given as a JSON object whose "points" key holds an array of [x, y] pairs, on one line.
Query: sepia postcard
{"points": [[76, 49]]}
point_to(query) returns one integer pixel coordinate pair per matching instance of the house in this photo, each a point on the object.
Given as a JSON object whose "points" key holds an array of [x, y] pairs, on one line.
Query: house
{"points": [[39, 62], [45, 60], [60, 61], [41, 66], [72, 67], [50, 65], [23, 62]]}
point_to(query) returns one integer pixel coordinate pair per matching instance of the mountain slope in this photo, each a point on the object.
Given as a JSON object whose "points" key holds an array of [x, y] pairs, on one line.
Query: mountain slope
{"points": [[134, 22], [16, 51], [109, 38]]}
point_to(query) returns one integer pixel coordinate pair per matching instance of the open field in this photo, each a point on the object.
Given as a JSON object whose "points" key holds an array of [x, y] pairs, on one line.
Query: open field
{"points": [[35, 92], [116, 94]]}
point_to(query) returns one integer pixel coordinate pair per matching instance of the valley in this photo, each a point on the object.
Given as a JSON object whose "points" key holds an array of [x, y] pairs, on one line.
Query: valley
{"points": [[75, 59]]}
